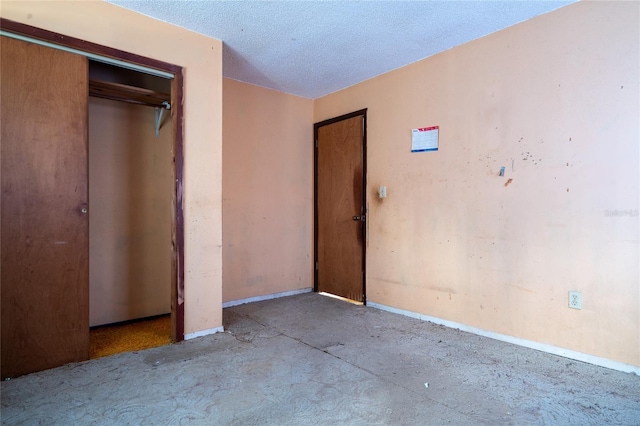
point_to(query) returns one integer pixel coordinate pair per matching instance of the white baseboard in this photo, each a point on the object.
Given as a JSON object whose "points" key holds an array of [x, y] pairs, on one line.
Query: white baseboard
{"points": [[578, 356], [265, 297], [220, 329], [202, 333]]}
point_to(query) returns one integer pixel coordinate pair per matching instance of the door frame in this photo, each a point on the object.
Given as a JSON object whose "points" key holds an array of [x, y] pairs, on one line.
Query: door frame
{"points": [[177, 99], [316, 126]]}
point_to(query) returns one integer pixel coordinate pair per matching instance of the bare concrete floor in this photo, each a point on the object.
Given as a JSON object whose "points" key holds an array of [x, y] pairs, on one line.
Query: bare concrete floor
{"points": [[309, 359]]}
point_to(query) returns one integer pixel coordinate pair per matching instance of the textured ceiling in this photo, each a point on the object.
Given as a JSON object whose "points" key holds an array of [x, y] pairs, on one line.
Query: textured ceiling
{"points": [[313, 48]]}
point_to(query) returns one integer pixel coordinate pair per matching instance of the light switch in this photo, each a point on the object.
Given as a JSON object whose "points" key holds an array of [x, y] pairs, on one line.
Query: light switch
{"points": [[383, 192]]}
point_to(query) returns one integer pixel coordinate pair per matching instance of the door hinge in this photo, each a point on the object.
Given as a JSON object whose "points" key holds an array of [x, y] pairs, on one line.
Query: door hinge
{"points": [[316, 266], [316, 143]]}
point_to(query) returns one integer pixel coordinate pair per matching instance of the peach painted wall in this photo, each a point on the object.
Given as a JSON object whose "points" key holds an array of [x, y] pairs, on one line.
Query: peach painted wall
{"points": [[555, 101], [130, 192], [201, 57], [267, 189]]}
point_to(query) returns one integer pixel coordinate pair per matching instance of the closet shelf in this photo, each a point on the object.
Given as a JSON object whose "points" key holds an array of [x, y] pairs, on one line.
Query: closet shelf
{"points": [[130, 94]]}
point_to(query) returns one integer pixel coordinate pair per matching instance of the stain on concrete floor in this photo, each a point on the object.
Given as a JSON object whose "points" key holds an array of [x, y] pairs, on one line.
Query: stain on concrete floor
{"points": [[309, 359]]}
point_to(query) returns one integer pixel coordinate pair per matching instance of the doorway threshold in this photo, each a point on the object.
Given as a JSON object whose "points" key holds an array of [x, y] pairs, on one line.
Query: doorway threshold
{"points": [[129, 336]]}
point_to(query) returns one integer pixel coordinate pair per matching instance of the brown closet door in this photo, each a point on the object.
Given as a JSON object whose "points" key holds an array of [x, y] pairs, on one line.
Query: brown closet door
{"points": [[45, 303]]}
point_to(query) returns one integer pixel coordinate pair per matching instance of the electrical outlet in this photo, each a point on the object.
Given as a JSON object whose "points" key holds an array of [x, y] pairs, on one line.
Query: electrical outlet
{"points": [[575, 300]]}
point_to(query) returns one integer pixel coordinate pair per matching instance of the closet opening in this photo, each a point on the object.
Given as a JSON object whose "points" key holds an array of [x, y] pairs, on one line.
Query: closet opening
{"points": [[130, 152], [124, 95]]}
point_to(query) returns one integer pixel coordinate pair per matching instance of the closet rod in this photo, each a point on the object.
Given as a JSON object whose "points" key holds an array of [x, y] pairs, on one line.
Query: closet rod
{"points": [[92, 56]]}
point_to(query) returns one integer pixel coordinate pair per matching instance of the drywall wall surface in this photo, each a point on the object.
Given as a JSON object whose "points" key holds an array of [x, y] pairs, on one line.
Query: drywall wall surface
{"points": [[130, 192], [555, 101], [201, 57], [267, 190]]}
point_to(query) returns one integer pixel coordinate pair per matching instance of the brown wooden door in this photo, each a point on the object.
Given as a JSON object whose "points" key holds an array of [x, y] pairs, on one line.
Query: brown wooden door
{"points": [[45, 303], [340, 206]]}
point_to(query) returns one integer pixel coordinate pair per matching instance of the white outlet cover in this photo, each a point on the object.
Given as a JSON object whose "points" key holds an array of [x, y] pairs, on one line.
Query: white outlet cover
{"points": [[575, 300]]}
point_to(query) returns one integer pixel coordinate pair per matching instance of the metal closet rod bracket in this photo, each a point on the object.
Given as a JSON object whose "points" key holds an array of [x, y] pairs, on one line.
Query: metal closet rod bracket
{"points": [[159, 113]]}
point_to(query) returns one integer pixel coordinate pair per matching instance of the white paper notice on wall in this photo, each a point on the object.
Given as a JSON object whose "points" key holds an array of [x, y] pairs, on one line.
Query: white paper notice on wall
{"points": [[424, 139]]}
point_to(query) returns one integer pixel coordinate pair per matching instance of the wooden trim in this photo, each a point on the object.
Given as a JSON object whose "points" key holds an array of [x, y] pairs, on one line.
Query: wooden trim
{"points": [[178, 129], [365, 236], [340, 118], [316, 126], [315, 207], [178, 167]]}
